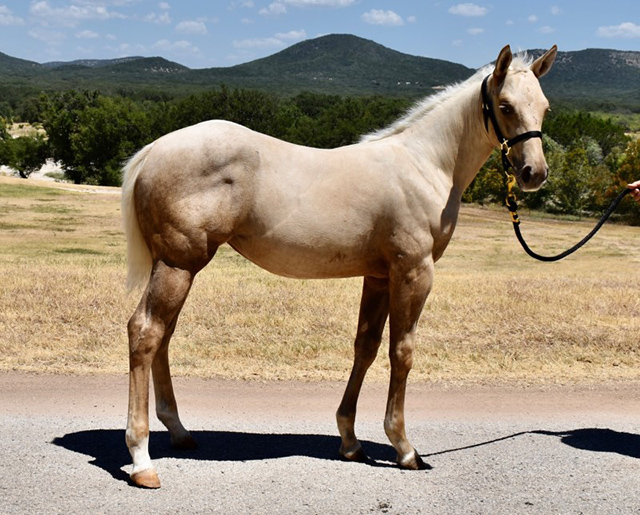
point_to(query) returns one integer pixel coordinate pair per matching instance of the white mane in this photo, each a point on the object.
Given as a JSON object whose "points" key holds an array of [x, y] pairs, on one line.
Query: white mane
{"points": [[428, 104]]}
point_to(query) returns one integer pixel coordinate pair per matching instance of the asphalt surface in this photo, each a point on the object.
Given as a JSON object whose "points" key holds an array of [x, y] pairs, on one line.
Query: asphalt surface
{"points": [[272, 448]]}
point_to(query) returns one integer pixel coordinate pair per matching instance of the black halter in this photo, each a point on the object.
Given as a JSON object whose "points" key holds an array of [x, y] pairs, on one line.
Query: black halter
{"points": [[505, 147], [505, 144]]}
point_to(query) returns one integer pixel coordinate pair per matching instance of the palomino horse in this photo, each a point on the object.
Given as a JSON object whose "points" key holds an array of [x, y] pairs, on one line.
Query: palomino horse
{"points": [[384, 209]]}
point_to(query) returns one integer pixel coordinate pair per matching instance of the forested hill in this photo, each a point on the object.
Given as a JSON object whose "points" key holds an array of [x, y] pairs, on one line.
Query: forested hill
{"points": [[595, 79], [334, 64], [341, 64]]}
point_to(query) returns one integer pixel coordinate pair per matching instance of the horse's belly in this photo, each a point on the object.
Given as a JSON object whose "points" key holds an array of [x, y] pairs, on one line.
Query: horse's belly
{"points": [[291, 259]]}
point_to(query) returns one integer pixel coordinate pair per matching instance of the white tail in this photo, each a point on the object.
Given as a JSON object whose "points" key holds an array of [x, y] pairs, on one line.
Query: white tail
{"points": [[138, 255]]}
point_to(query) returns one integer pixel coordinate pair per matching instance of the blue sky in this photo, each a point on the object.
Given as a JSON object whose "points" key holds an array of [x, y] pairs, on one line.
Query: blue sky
{"points": [[203, 34]]}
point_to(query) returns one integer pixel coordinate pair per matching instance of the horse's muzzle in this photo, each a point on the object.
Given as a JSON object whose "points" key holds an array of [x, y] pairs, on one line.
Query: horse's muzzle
{"points": [[530, 179]]}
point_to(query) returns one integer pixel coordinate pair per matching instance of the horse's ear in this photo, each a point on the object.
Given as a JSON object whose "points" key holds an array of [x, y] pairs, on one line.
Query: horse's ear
{"points": [[502, 66], [544, 63]]}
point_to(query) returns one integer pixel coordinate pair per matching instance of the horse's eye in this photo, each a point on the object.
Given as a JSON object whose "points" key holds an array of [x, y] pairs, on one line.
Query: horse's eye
{"points": [[506, 108]]}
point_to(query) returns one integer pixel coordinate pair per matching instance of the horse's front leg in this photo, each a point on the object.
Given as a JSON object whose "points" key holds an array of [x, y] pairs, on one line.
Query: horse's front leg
{"points": [[374, 310], [409, 290]]}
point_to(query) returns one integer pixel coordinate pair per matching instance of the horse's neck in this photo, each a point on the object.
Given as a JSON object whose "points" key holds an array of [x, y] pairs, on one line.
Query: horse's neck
{"points": [[452, 138]]}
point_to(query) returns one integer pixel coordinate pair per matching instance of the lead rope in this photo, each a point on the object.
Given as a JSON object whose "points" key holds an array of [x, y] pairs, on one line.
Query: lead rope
{"points": [[511, 200], [512, 204]]}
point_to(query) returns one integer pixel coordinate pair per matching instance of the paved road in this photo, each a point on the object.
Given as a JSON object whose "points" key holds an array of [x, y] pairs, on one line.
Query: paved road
{"points": [[272, 448]]}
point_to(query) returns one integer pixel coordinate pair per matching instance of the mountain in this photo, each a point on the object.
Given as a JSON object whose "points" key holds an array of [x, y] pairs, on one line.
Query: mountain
{"points": [[342, 64], [91, 63], [595, 79], [14, 67]]}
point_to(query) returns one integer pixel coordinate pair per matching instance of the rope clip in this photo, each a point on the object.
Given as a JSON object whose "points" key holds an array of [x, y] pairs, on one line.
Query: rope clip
{"points": [[511, 182], [511, 200]]}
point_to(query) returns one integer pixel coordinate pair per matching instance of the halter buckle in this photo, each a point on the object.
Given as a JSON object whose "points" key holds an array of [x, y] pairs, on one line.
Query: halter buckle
{"points": [[505, 148]]}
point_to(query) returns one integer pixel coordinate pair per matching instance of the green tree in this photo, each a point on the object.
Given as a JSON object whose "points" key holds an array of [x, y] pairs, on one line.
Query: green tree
{"points": [[569, 127], [106, 135], [489, 184], [628, 171], [60, 119], [570, 185], [253, 109], [29, 154], [24, 154], [91, 135]]}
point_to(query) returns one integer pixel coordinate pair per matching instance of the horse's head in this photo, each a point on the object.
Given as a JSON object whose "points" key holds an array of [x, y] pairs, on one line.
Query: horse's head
{"points": [[517, 108]]}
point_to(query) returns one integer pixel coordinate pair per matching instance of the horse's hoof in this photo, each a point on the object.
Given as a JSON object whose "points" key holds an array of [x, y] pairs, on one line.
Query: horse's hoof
{"points": [[357, 455], [146, 479], [185, 443], [413, 461]]}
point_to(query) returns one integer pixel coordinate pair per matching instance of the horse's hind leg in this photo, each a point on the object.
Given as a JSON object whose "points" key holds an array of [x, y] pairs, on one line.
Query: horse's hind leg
{"points": [[374, 309], [166, 406], [150, 328]]}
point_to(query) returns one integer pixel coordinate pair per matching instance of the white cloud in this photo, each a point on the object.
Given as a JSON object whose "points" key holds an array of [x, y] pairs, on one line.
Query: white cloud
{"points": [[546, 30], [277, 41], [476, 31], [412, 19], [532, 19], [50, 37], [320, 3], [87, 34], [624, 30], [179, 47], [510, 23], [468, 9], [86, 50], [164, 6], [192, 27], [457, 43], [274, 9], [292, 34], [555, 10], [7, 18], [125, 49], [381, 17], [160, 19], [280, 6], [241, 3], [258, 43], [69, 15]]}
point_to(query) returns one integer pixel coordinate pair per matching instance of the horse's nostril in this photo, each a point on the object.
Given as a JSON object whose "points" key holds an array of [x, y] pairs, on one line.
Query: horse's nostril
{"points": [[525, 175]]}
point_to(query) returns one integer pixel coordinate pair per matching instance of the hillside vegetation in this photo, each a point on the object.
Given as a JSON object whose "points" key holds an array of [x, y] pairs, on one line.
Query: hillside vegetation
{"points": [[336, 64], [91, 132]]}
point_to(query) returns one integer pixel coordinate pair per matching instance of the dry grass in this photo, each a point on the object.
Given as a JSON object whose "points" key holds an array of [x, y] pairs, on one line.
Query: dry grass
{"points": [[495, 314]]}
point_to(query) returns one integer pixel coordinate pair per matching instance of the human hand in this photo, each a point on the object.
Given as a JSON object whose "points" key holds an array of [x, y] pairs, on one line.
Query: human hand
{"points": [[635, 190]]}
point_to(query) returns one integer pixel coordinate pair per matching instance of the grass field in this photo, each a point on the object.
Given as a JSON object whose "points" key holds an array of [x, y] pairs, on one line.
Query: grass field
{"points": [[494, 315]]}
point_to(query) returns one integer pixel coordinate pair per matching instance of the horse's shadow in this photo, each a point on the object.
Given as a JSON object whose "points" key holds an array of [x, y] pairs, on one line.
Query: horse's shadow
{"points": [[599, 440], [109, 452], [586, 439]]}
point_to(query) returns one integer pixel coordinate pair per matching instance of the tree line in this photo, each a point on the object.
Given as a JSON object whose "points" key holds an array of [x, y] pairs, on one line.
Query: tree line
{"points": [[91, 135]]}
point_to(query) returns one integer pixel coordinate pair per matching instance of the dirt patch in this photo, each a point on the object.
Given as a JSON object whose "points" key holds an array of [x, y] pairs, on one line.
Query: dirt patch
{"points": [[37, 394]]}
